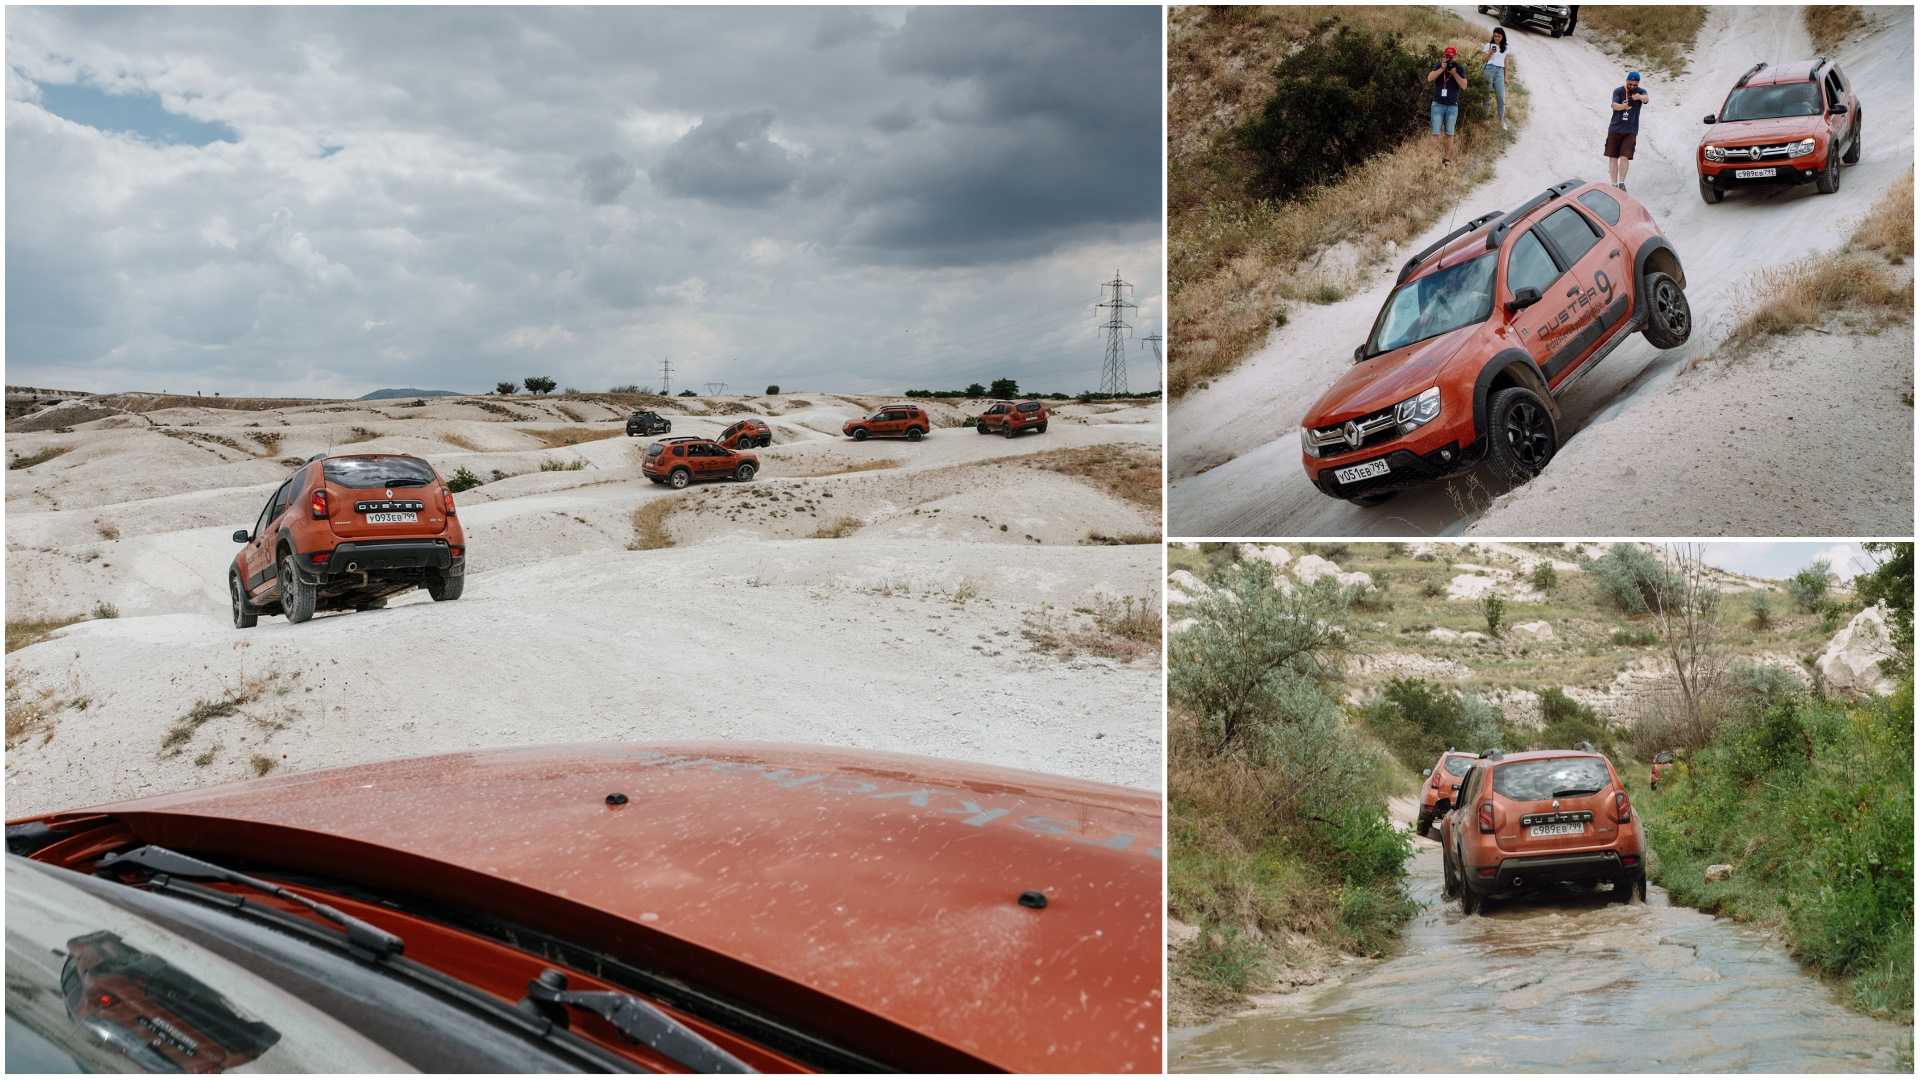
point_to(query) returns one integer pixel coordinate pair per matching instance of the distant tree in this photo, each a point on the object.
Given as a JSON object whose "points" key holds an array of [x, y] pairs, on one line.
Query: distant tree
{"points": [[506, 388], [1544, 577], [1495, 609], [628, 388], [1809, 586], [539, 384], [1004, 388], [773, 389], [688, 393], [976, 390]]}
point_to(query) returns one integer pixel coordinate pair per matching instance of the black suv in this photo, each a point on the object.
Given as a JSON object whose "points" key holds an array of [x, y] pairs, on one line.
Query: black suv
{"points": [[647, 423], [1557, 21]]}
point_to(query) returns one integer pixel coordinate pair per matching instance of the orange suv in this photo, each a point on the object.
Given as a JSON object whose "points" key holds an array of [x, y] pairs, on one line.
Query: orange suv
{"points": [[909, 421], [1485, 330], [682, 460], [746, 435], [1010, 419], [346, 532], [1536, 818], [1442, 786], [1662, 761], [1781, 125]]}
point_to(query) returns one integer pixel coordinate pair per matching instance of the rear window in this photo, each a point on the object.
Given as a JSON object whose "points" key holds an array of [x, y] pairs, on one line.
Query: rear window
{"points": [[1549, 778], [656, 449], [1457, 765], [1603, 204], [1031, 406], [378, 472]]}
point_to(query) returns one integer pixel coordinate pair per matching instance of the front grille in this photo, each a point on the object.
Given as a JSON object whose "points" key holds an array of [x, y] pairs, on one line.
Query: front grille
{"points": [[1355, 434], [1757, 153]]}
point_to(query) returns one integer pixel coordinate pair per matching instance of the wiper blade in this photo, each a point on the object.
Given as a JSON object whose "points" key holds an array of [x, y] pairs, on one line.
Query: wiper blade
{"points": [[1569, 792], [362, 936], [640, 1021]]}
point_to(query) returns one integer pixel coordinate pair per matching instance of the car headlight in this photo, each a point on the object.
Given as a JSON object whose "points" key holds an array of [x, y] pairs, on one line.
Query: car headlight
{"points": [[1415, 411], [1801, 148], [1306, 442], [1715, 153]]}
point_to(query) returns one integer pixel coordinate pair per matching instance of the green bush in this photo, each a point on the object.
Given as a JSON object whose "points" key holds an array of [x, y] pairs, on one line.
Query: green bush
{"points": [[1004, 388], [1760, 602], [1222, 960], [1432, 589], [1544, 577], [1629, 577], [1635, 636], [506, 387], [463, 480], [1366, 846], [539, 384], [773, 389], [1419, 721], [1565, 723], [1808, 587], [688, 393], [1495, 609], [1891, 583]]}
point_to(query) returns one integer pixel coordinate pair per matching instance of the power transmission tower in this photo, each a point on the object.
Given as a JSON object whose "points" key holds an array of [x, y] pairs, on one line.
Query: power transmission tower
{"points": [[1154, 340], [1113, 375], [666, 377], [715, 389]]}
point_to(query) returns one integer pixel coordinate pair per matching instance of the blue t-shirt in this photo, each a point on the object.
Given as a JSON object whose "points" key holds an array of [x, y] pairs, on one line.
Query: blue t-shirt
{"points": [[1445, 90], [1628, 122]]}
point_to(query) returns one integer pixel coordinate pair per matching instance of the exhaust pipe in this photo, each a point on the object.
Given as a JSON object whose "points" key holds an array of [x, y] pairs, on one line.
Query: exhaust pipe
{"points": [[1516, 882], [352, 567]]}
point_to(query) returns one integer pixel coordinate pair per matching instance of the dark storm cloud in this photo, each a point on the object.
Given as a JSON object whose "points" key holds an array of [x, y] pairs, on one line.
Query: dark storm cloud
{"points": [[447, 196], [727, 159]]}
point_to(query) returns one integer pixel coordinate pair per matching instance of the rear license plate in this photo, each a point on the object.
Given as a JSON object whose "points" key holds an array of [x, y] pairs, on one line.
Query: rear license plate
{"points": [[1363, 471], [1538, 831], [391, 519], [1752, 174]]}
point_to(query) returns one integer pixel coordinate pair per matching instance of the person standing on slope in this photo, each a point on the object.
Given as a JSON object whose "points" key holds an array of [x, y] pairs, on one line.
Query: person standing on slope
{"points": [[1624, 128], [1498, 67], [1448, 79]]}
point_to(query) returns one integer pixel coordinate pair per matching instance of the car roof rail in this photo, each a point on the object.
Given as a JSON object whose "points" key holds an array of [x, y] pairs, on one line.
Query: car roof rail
{"points": [[1492, 753], [1498, 233], [313, 459], [1813, 73], [1414, 263], [1751, 72], [1585, 745]]}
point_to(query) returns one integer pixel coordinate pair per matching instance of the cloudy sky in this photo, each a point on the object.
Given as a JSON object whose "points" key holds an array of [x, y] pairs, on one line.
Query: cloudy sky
{"points": [[1783, 559], [327, 201]]}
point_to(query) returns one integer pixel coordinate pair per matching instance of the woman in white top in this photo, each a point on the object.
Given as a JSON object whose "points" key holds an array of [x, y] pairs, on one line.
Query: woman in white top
{"points": [[1498, 67]]}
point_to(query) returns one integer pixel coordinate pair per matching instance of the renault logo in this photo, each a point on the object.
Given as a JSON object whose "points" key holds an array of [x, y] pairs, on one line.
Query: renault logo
{"points": [[389, 493], [1556, 804], [1353, 432]]}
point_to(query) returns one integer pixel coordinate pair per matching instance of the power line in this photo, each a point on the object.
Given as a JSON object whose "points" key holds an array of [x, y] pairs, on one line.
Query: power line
{"points": [[1113, 373]]}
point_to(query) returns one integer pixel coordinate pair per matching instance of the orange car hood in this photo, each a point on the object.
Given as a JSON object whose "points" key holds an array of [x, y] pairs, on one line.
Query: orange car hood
{"points": [[1780, 128], [1388, 379], [874, 896]]}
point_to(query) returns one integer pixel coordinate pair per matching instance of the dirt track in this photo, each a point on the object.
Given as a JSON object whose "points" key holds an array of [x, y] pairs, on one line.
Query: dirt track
{"points": [[1234, 450]]}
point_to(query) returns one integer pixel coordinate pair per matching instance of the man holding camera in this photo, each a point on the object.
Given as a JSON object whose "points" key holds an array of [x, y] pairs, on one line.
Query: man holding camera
{"points": [[1624, 128], [1448, 79]]}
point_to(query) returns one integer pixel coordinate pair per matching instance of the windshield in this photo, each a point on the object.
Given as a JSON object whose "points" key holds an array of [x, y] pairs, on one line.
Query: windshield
{"points": [[1444, 300], [1550, 778], [1767, 102], [378, 472], [1457, 765]]}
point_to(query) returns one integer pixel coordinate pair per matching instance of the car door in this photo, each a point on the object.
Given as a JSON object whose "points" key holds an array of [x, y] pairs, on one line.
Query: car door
{"points": [[257, 556], [1586, 293], [1839, 127]]}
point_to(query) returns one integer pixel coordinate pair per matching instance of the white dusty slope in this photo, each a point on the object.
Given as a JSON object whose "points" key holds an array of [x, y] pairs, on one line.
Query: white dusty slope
{"points": [[916, 632], [1234, 448]]}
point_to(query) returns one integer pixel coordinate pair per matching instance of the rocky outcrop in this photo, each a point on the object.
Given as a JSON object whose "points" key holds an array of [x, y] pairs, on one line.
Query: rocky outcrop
{"points": [[1531, 631], [1272, 553], [1311, 568], [1185, 582], [1720, 872], [1852, 659]]}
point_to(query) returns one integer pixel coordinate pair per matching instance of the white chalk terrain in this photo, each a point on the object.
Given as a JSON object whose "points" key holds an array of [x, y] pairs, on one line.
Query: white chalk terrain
{"points": [[1806, 437], [953, 616]]}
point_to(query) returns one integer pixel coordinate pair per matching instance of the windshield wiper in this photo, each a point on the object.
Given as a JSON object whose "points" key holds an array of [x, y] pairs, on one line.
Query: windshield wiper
{"points": [[636, 1019], [362, 936], [1569, 792]]}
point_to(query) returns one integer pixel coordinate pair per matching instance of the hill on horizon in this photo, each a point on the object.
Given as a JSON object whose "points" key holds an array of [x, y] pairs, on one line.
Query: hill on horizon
{"points": [[382, 395]]}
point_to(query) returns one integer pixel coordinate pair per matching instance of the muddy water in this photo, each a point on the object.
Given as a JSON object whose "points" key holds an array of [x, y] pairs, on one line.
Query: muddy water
{"points": [[1556, 982]]}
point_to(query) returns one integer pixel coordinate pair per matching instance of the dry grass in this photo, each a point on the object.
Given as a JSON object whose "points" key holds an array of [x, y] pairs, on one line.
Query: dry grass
{"points": [[24, 632], [1123, 540], [1660, 35], [40, 458], [269, 441], [838, 529], [249, 691], [500, 410], [1827, 24], [137, 402], [1235, 263], [650, 525], [569, 436], [30, 711], [859, 466], [1126, 629], [262, 764], [462, 442], [1128, 472], [107, 530], [358, 435], [1801, 294]]}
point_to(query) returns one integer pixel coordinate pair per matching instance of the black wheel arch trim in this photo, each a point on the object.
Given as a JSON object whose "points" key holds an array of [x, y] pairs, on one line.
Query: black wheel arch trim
{"points": [[1648, 249], [1525, 373]]}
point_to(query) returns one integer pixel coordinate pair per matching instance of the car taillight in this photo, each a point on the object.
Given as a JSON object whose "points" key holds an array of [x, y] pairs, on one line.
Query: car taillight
{"points": [[1629, 860], [456, 551], [1486, 817], [319, 504], [448, 496], [321, 556], [1622, 813]]}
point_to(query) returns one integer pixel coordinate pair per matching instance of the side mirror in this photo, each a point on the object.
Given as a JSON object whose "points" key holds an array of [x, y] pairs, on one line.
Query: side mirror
{"points": [[1839, 107], [1709, 119], [241, 536], [1359, 352], [1523, 298]]}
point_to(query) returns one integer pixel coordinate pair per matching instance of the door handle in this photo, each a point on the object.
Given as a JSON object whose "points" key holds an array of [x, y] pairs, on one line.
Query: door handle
{"points": [[1614, 254], [1575, 291]]}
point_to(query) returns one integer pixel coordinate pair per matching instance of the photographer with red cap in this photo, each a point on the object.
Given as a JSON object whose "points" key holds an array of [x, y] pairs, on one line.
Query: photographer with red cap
{"points": [[1448, 79]]}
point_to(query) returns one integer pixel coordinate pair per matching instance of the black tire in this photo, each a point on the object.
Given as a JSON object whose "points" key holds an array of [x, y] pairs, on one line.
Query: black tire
{"points": [[1449, 881], [447, 588], [913, 434], [374, 604], [656, 479], [1669, 319], [1555, 31], [1640, 886], [859, 434], [679, 478], [1482, 9], [1828, 181], [1521, 438], [766, 441], [745, 472], [1852, 156], [1007, 430], [1373, 500], [983, 429], [1709, 194], [244, 617], [297, 597], [1423, 824], [1471, 903], [1041, 427]]}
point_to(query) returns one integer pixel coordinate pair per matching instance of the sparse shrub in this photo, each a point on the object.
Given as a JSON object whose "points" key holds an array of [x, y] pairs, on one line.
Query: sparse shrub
{"points": [[105, 610], [1433, 589], [107, 531], [417, 403], [556, 465], [650, 525], [1832, 614], [1222, 960], [1629, 577], [843, 527], [1495, 609], [1635, 637], [1808, 587], [1419, 720], [1565, 722], [262, 764], [1544, 577], [625, 388], [773, 389], [538, 384], [1760, 603], [464, 480], [688, 393], [505, 388]]}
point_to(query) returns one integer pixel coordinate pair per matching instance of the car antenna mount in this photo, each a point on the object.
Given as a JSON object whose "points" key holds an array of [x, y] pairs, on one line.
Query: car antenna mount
{"points": [[636, 1019], [362, 936]]}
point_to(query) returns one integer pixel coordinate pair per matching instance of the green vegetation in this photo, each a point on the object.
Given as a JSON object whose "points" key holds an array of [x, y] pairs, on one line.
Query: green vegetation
{"points": [[1544, 577], [105, 610], [539, 384], [1493, 607], [1279, 818], [1809, 587], [1629, 577], [1418, 721], [773, 389], [463, 480], [1661, 35], [504, 388]]}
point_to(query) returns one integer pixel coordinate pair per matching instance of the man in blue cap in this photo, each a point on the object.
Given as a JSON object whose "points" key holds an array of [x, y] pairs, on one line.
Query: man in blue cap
{"points": [[1624, 128]]}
